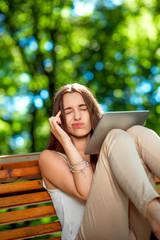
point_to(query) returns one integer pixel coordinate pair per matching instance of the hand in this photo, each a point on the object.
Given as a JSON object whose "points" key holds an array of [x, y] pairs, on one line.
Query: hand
{"points": [[57, 131]]}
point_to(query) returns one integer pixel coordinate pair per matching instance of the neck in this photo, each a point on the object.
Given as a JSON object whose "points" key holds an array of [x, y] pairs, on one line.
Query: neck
{"points": [[80, 144]]}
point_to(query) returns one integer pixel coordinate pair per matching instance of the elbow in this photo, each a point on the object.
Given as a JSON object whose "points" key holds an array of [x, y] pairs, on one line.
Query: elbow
{"points": [[83, 192], [85, 199], [84, 196]]}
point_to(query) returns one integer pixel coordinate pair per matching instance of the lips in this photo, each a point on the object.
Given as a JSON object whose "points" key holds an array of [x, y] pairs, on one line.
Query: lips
{"points": [[77, 125]]}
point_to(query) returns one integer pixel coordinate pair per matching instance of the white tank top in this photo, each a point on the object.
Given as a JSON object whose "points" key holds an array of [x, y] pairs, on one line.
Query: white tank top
{"points": [[69, 210]]}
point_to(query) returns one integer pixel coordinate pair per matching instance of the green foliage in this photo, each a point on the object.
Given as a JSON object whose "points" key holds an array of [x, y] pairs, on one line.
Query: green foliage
{"points": [[114, 50]]}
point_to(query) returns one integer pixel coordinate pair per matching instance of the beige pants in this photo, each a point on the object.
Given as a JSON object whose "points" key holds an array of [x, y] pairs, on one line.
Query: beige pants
{"points": [[121, 189]]}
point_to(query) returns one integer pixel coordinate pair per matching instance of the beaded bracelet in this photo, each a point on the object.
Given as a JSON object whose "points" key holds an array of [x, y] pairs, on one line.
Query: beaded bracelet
{"points": [[83, 162]]}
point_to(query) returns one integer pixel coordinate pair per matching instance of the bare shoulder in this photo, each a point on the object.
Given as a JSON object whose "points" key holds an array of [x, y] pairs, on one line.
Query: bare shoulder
{"points": [[53, 167], [50, 157], [44, 155]]}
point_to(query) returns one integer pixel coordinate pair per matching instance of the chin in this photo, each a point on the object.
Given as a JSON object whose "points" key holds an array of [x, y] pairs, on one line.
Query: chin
{"points": [[80, 135]]}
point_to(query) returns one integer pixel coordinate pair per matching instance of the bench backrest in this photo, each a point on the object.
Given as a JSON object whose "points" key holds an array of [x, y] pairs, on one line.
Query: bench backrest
{"points": [[23, 199]]}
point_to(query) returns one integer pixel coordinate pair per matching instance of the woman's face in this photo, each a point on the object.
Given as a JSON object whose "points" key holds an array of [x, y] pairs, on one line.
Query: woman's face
{"points": [[78, 121]]}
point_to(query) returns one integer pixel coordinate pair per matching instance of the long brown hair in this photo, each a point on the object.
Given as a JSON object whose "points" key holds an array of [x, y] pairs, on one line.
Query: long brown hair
{"points": [[93, 108]]}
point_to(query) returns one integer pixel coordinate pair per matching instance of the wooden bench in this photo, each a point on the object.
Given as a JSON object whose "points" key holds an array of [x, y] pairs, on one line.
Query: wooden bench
{"points": [[24, 200]]}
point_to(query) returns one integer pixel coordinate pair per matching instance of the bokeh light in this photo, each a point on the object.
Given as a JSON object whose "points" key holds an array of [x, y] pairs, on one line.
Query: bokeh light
{"points": [[33, 44], [48, 46], [38, 102], [88, 75], [25, 77], [99, 66], [82, 8], [44, 94]]}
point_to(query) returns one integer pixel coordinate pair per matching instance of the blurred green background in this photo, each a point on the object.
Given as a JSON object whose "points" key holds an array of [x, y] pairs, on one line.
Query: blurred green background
{"points": [[111, 46]]}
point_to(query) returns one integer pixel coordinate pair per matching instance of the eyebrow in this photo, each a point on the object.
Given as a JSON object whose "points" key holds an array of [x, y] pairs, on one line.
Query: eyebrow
{"points": [[67, 108], [81, 105]]}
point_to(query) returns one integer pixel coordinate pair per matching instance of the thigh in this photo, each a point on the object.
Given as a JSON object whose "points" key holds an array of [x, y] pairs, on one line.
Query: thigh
{"points": [[106, 213]]}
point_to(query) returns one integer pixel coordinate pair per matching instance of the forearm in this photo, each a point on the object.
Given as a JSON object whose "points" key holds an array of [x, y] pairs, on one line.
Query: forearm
{"points": [[82, 173]]}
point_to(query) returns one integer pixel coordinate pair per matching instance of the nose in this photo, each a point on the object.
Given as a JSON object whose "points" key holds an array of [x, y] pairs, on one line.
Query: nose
{"points": [[77, 115]]}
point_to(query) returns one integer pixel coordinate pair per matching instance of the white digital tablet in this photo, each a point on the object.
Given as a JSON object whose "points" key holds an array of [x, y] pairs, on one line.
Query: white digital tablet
{"points": [[111, 120]]}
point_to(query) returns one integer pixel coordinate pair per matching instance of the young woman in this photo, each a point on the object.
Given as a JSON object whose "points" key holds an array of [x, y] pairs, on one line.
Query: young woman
{"points": [[107, 196]]}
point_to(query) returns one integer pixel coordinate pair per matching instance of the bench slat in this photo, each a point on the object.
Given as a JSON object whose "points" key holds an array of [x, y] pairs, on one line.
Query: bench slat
{"points": [[24, 200], [157, 180], [19, 173], [11, 165], [28, 232], [27, 214], [19, 157], [20, 187]]}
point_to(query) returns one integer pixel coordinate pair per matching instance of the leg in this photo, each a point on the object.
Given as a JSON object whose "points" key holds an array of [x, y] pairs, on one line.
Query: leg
{"points": [[147, 143], [139, 226], [148, 147], [128, 170], [100, 215], [106, 206]]}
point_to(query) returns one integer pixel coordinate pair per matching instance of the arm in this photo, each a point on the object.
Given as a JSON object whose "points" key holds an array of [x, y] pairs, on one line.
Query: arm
{"points": [[57, 172]]}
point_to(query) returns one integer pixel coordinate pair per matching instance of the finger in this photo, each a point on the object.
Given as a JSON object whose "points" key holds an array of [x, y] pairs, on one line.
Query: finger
{"points": [[53, 119], [57, 117], [55, 128], [54, 123], [51, 123], [58, 114]]}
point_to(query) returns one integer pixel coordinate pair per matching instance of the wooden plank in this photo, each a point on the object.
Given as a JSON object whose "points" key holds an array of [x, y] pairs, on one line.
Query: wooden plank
{"points": [[19, 157], [157, 180], [27, 214], [20, 187], [11, 165], [19, 173], [28, 232], [24, 200]]}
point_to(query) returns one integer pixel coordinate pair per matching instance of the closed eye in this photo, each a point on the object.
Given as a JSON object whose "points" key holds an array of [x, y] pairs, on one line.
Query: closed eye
{"points": [[68, 110], [83, 107]]}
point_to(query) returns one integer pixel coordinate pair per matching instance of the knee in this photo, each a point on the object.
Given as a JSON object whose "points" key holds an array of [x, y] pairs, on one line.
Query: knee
{"points": [[136, 130], [116, 133], [114, 140], [114, 136]]}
